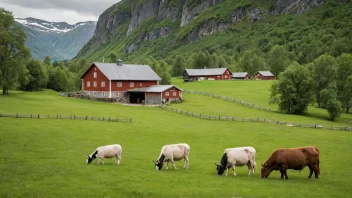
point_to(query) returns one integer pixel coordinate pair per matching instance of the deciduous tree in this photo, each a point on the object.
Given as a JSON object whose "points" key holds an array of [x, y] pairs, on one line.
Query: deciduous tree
{"points": [[293, 90], [13, 52]]}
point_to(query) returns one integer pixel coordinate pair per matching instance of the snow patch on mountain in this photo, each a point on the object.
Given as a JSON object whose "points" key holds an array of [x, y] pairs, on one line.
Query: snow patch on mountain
{"points": [[55, 27]]}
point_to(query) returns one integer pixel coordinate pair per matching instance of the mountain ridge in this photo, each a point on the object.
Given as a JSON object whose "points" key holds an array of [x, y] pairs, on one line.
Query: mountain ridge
{"points": [[58, 40], [166, 28]]}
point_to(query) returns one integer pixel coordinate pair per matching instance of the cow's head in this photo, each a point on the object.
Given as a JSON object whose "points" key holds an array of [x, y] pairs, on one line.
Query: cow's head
{"points": [[220, 168], [265, 171], [158, 165]]}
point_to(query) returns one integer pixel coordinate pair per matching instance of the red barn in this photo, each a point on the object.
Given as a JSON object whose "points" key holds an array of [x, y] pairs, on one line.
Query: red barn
{"points": [[113, 80], [263, 75], [155, 94], [206, 74]]}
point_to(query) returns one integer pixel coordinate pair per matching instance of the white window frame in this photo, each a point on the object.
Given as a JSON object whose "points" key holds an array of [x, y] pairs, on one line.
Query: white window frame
{"points": [[174, 93], [131, 84], [225, 76], [140, 84], [102, 83], [167, 93], [119, 84], [95, 83], [88, 84], [95, 75]]}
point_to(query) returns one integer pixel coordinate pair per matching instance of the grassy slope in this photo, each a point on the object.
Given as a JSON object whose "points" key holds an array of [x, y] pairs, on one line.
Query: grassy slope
{"points": [[45, 158], [257, 92]]}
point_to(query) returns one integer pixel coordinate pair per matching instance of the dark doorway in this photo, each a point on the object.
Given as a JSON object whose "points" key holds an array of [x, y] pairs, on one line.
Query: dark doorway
{"points": [[137, 97]]}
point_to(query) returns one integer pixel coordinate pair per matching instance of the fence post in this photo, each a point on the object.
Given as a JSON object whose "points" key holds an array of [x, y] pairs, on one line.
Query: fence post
{"points": [[103, 118], [38, 116], [57, 116], [219, 117], [315, 125], [86, 117], [48, 116], [60, 116], [74, 117], [130, 120], [16, 115], [264, 119], [233, 118], [200, 115], [192, 113], [109, 119], [277, 122], [331, 128], [243, 119], [31, 116]]}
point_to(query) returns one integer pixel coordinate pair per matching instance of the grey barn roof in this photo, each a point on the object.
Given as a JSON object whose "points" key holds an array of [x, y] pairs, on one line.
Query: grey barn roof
{"points": [[239, 74], [154, 88], [266, 73], [126, 72], [206, 72]]}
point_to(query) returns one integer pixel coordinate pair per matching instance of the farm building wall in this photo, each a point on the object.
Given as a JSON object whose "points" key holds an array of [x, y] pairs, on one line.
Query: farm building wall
{"points": [[261, 77], [95, 80], [152, 98], [117, 85]]}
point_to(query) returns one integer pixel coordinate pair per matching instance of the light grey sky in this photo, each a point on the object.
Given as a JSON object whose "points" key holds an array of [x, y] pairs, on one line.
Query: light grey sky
{"points": [[70, 11]]}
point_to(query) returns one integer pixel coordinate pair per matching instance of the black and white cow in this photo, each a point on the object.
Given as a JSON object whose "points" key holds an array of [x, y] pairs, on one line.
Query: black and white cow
{"points": [[171, 153], [108, 151], [240, 156]]}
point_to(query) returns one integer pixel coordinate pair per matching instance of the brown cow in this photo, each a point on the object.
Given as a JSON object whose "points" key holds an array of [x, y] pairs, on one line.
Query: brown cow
{"points": [[292, 158]]}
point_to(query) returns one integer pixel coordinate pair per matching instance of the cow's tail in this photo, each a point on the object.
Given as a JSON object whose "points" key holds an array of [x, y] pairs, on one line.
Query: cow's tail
{"points": [[316, 148]]}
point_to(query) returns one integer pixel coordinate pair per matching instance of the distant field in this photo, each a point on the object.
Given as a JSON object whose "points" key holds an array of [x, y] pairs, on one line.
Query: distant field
{"points": [[256, 92], [46, 158]]}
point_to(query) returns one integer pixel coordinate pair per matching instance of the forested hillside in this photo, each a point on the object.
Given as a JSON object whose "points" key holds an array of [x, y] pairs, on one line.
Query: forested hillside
{"points": [[243, 35]]}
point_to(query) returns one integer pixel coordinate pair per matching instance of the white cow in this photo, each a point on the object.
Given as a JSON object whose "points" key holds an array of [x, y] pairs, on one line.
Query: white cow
{"points": [[108, 151], [240, 156], [171, 153]]}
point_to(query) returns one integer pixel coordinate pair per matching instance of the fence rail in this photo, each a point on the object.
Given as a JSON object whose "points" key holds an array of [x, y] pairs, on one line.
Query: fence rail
{"points": [[232, 118], [247, 104], [70, 117]]}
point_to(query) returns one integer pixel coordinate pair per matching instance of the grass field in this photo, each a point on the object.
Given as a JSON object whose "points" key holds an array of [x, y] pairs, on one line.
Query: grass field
{"points": [[46, 158], [256, 92]]}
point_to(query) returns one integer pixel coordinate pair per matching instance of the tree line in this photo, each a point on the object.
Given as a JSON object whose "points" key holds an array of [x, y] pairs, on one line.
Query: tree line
{"points": [[327, 81]]}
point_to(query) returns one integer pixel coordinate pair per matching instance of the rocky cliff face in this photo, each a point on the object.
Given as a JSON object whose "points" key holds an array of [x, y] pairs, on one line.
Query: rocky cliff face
{"points": [[183, 11], [298, 6]]}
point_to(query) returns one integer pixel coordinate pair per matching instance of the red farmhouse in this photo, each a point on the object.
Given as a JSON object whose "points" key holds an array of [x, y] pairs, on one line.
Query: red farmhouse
{"points": [[111, 80], [263, 75], [206, 74]]}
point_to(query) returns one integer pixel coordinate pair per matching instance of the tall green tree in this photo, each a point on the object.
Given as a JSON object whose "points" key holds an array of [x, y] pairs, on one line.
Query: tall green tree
{"points": [[278, 59], [293, 91], [113, 57], [47, 61], [178, 66], [250, 62], [37, 76], [324, 74], [13, 52], [344, 73]]}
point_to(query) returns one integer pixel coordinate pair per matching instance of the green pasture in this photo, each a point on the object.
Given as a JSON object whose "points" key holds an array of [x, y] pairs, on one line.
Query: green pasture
{"points": [[256, 92], [46, 157]]}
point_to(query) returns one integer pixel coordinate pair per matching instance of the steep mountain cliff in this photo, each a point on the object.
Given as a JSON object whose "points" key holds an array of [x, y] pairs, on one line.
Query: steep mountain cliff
{"points": [[163, 28], [59, 40]]}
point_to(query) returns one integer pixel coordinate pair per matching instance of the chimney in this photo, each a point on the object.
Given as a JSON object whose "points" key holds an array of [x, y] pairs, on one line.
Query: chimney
{"points": [[119, 62]]}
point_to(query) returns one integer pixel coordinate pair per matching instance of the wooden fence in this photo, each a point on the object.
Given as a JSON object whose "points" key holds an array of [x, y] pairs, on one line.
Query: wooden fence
{"points": [[247, 104], [71, 117], [231, 118]]}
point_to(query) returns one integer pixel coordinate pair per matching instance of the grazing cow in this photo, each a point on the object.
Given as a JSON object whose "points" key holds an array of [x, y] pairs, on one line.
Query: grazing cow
{"points": [[240, 156], [292, 158], [171, 153], [108, 151]]}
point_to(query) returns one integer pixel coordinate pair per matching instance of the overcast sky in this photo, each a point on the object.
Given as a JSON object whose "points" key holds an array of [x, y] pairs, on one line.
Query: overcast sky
{"points": [[70, 11]]}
